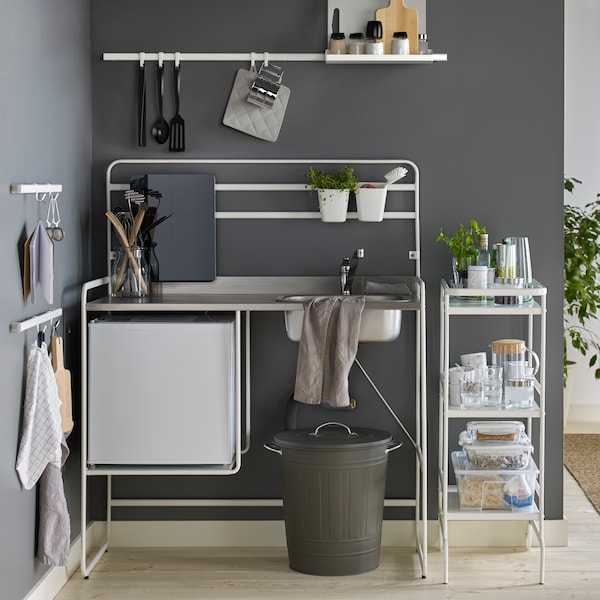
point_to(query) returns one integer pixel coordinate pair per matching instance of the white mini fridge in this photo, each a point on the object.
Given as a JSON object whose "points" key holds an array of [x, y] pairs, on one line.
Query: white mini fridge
{"points": [[161, 391]]}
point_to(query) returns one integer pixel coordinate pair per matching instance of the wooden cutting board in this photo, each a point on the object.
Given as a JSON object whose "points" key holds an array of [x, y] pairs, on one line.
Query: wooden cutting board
{"points": [[63, 382], [396, 17]]}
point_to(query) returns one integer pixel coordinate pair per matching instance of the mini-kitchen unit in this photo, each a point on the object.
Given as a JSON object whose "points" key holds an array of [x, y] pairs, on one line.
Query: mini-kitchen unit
{"points": [[201, 331]]}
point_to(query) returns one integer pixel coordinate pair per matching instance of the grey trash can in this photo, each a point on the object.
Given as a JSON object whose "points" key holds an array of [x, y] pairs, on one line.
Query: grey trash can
{"points": [[333, 487]]}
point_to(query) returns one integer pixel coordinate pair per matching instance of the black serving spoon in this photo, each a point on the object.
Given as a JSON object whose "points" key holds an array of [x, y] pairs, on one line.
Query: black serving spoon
{"points": [[160, 128]]}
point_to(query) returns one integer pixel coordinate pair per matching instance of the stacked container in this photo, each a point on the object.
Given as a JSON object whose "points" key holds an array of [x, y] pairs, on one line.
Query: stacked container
{"points": [[495, 469]]}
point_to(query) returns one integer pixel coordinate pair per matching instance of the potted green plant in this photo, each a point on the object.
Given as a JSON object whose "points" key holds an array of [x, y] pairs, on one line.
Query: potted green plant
{"points": [[463, 246], [581, 294], [333, 190]]}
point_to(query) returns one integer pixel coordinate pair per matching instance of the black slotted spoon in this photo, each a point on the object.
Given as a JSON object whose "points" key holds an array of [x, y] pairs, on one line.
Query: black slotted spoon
{"points": [[177, 124], [160, 127]]}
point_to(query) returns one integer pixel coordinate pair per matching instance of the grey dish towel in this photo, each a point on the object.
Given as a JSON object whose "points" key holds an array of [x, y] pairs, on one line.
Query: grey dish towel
{"points": [[328, 346], [54, 531]]}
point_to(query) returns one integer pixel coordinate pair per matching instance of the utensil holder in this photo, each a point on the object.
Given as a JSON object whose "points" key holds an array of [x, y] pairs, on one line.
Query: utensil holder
{"points": [[130, 273]]}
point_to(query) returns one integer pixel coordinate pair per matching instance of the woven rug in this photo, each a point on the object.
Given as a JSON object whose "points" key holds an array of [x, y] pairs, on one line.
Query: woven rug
{"points": [[582, 459]]}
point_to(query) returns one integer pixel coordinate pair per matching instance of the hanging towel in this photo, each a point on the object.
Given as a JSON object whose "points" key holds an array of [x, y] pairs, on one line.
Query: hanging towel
{"points": [[42, 432], [327, 349], [54, 534], [42, 452]]}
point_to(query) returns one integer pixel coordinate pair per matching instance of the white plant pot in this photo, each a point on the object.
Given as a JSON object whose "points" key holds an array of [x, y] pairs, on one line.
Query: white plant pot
{"points": [[370, 202], [333, 205]]}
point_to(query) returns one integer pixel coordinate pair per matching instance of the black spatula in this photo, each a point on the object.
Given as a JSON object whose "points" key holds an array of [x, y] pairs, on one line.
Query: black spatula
{"points": [[177, 124]]}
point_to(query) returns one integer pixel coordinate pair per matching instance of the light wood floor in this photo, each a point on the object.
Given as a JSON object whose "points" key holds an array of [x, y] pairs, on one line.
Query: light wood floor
{"points": [[263, 573]]}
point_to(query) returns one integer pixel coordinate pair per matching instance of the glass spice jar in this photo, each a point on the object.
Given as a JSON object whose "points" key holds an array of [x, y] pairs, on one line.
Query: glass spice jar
{"points": [[357, 43], [400, 44], [337, 43]]}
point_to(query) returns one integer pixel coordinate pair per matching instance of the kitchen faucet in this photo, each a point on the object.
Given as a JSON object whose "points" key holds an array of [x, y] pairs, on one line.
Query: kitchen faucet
{"points": [[348, 270]]}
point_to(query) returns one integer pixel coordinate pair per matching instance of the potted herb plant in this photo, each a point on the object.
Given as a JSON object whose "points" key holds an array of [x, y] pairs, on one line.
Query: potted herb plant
{"points": [[463, 246], [581, 294], [333, 190]]}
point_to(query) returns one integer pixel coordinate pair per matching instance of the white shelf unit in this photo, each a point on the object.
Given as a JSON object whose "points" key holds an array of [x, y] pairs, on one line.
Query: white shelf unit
{"points": [[462, 301], [117, 182]]}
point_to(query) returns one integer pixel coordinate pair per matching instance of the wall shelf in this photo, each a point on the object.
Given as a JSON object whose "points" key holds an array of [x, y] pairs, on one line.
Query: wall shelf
{"points": [[384, 59]]}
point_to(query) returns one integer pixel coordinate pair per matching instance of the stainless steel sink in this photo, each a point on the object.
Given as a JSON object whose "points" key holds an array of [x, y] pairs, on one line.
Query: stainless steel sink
{"points": [[377, 324]]}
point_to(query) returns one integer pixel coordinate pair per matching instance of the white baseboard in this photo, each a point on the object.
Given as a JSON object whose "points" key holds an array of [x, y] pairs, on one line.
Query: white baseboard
{"points": [[272, 533], [56, 577], [583, 418]]}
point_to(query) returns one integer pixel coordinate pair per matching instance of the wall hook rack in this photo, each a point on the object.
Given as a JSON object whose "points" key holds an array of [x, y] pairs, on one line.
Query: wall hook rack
{"points": [[32, 322], [36, 188]]}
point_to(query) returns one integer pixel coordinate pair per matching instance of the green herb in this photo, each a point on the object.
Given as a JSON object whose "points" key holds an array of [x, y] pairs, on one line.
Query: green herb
{"points": [[323, 180], [464, 244]]}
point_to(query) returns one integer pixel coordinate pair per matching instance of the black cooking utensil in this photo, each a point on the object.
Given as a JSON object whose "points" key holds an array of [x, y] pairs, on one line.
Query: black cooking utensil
{"points": [[177, 133], [335, 24], [160, 128], [141, 104]]}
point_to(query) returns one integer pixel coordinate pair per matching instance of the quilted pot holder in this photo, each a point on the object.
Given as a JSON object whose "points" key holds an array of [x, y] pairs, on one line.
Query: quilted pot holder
{"points": [[261, 122]]}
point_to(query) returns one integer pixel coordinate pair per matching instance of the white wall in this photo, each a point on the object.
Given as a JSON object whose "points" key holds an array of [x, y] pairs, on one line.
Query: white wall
{"points": [[582, 148]]}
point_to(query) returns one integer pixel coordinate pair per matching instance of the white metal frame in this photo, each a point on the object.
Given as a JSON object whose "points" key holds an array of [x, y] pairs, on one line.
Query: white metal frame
{"points": [[453, 302], [420, 441]]}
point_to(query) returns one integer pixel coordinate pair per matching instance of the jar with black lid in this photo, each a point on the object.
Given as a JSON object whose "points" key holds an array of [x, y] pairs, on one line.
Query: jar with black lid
{"points": [[400, 44], [357, 43], [337, 43]]}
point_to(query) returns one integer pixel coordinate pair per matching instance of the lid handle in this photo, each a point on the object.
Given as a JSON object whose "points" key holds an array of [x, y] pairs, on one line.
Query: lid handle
{"points": [[316, 431]]}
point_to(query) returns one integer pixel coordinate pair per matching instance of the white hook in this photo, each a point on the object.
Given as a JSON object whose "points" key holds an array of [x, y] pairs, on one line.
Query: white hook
{"points": [[37, 194], [161, 58], [266, 61], [142, 59], [177, 58], [253, 61]]}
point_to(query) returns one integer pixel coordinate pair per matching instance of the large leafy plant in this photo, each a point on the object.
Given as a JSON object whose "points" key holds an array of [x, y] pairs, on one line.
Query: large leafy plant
{"points": [[581, 278]]}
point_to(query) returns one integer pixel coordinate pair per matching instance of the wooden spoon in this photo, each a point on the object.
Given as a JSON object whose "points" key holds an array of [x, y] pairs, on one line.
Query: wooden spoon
{"points": [[132, 237]]}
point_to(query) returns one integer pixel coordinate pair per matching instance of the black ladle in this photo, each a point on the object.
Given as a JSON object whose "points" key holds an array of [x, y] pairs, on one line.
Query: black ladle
{"points": [[160, 128]]}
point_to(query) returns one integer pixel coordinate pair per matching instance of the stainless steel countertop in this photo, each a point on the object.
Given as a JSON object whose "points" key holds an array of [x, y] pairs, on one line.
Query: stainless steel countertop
{"points": [[248, 294]]}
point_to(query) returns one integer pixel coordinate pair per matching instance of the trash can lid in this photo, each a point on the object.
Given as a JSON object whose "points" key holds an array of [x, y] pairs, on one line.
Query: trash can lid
{"points": [[332, 435]]}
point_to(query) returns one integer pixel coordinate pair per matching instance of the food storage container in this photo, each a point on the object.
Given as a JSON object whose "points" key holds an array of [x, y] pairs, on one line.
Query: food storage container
{"points": [[502, 489], [494, 454], [500, 431]]}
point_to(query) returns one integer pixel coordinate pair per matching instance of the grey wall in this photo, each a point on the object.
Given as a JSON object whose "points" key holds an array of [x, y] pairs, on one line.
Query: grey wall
{"points": [[485, 129], [45, 116]]}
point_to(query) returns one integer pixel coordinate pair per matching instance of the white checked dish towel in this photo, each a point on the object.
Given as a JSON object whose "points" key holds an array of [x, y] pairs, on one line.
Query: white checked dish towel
{"points": [[42, 431]]}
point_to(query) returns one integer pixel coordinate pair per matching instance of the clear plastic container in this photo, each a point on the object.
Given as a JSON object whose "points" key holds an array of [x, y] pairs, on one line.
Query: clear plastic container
{"points": [[499, 431], [501, 489], [496, 455]]}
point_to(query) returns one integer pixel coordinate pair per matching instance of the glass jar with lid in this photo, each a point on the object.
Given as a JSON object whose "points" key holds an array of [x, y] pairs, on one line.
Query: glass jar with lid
{"points": [[357, 43], [337, 43], [400, 44]]}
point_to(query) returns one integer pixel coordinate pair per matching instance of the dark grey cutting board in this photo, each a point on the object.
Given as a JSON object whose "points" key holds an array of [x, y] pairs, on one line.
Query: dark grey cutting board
{"points": [[185, 243]]}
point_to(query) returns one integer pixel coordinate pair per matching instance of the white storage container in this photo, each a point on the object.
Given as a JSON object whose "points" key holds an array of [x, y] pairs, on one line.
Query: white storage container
{"points": [[496, 455], [498, 489]]}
